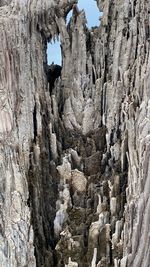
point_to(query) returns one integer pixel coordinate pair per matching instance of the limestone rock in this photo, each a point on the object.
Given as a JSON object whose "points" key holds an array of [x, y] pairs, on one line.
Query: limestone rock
{"points": [[79, 181], [74, 157]]}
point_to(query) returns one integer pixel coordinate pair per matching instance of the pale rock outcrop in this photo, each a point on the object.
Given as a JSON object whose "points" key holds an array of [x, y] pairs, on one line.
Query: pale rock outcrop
{"points": [[79, 181], [74, 161]]}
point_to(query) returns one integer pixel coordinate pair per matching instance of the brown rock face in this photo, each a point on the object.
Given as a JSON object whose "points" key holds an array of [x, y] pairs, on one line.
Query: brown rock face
{"points": [[74, 156]]}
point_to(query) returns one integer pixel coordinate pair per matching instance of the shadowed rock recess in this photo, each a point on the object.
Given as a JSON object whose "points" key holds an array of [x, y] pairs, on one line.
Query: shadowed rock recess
{"points": [[75, 153]]}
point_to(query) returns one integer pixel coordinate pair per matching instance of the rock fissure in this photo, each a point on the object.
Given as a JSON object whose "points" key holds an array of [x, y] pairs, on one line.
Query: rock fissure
{"points": [[74, 171]]}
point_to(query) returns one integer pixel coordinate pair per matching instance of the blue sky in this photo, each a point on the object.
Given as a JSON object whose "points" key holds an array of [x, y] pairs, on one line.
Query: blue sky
{"points": [[92, 15]]}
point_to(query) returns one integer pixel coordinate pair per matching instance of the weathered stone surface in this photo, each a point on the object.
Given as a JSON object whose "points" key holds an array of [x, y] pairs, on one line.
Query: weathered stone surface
{"points": [[74, 158], [79, 181]]}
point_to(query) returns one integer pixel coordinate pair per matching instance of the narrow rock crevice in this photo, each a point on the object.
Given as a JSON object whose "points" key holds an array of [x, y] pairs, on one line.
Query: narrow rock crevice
{"points": [[79, 207], [74, 157]]}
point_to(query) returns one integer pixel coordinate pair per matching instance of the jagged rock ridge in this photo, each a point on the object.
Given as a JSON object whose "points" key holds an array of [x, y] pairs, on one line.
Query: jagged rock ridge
{"points": [[74, 158]]}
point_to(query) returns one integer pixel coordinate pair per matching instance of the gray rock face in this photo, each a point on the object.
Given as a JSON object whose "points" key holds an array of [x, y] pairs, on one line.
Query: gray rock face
{"points": [[74, 158]]}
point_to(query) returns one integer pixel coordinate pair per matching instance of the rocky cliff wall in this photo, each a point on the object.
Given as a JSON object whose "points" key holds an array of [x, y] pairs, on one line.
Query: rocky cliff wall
{"points": [[75, 158]]}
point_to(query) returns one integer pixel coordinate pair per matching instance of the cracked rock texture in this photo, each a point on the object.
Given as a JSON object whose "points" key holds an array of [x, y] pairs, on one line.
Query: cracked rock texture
{"points": [[75, 158]]}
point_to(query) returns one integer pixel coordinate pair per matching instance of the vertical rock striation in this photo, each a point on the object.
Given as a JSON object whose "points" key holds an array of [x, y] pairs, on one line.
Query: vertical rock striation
{"points": [[74, 165]]}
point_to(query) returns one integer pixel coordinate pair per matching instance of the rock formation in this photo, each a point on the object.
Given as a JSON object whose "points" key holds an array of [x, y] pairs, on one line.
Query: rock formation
{"points": [[75, 161]]}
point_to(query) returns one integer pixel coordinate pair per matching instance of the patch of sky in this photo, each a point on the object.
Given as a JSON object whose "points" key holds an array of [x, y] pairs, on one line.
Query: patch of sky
{"points": [[92, 14], [54, 52]]}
